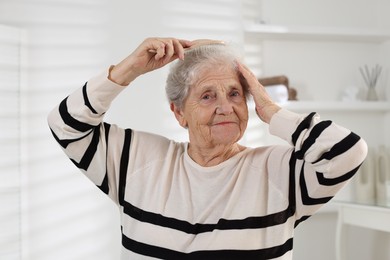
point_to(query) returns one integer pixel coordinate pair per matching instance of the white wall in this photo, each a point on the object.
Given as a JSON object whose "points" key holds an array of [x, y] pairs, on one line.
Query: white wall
{"points": [[63, 214], [143, 105]]}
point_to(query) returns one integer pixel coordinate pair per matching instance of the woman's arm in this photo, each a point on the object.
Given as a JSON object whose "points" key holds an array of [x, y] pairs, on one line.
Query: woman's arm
{"points": [[324, 157], [77, 124]]}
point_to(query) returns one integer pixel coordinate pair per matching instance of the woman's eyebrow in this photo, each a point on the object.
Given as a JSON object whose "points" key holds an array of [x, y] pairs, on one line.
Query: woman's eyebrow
{"points": [[205, 88], [236, 86], [232, 84]]}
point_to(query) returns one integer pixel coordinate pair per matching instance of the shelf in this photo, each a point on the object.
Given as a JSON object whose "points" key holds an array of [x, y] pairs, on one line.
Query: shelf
{"points": [[279, 32], [337, 106]]}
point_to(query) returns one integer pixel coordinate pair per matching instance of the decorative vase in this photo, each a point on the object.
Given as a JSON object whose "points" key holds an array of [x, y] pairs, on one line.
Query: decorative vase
{"points": [[364, 180], [371, 94], [382, 175], [371, 79]]}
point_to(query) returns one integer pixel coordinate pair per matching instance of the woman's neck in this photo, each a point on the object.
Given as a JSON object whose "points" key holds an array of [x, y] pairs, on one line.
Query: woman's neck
{"points": [[213, 155]]}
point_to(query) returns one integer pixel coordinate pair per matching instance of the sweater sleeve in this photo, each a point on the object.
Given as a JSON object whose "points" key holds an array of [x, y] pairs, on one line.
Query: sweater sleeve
{"points": [[324, 157], [91, 144]]}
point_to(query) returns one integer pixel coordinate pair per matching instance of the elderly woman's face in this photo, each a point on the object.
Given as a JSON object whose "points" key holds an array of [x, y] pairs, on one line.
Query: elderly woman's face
{"points": [[215, 110]]}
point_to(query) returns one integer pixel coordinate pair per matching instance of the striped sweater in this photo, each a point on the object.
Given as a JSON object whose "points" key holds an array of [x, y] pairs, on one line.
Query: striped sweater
{"points": [[172, 208]]}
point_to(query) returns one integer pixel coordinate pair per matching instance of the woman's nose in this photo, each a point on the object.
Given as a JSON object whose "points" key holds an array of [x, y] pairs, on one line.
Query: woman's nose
{"points": [[224, 107]]}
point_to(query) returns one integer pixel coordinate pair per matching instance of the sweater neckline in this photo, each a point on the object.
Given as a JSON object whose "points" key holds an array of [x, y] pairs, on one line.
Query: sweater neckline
{"points": [[232, 160]]}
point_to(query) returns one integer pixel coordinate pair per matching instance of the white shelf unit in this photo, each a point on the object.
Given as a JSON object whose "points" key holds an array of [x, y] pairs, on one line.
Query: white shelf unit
{"points": [[370, 119], [320, 61], [334, 34], [338, 106], [280, 32]]}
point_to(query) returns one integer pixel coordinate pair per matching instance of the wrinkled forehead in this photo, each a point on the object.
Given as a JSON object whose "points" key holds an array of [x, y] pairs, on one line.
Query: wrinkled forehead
{"points": [[216, 72]]}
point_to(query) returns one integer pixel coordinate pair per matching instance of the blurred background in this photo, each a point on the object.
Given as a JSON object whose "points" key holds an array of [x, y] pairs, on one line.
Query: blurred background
{"points": [[48, 48]]}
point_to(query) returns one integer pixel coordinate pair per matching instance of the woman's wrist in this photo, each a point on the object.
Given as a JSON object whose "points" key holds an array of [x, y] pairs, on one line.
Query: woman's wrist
{"points": [[121, 76], [266, 112], [124, 72]]}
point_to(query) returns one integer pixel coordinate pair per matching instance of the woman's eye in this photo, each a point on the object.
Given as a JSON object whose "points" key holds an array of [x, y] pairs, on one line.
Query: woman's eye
{"points": [[235, 94], [206, 97]]}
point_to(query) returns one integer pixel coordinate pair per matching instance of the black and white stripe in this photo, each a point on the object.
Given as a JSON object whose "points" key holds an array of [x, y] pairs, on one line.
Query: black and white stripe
{"points": [[101, 133], [164, 253]]}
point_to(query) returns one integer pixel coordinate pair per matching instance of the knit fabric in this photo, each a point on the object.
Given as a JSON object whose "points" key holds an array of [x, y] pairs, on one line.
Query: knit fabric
{"points": [[172, 208]]}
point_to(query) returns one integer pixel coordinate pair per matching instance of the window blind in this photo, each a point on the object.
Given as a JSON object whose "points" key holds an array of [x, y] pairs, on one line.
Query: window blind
{"points": [[59, 208], [257, 131], [216, 19], [10, 60]]}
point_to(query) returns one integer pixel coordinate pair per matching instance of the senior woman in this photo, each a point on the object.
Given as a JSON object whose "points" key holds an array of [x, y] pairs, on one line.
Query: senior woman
{"points": [[210, 198]]}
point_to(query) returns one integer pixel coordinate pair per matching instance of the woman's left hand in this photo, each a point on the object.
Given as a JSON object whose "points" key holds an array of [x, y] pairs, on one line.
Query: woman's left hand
{"points": [[265, 106]]}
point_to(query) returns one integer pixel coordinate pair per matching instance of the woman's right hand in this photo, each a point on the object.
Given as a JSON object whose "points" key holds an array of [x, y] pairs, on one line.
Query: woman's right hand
{"points": [[151, 54], [265, 106]]}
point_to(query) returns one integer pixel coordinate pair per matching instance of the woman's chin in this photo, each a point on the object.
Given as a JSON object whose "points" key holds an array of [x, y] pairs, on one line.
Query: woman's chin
{"points": [[226, 137]]}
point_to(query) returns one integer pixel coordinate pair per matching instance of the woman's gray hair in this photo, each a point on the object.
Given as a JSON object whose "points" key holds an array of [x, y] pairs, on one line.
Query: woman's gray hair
{"points": [[184, 73]]}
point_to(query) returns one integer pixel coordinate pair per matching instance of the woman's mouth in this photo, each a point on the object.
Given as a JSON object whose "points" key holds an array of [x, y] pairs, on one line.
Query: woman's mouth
{"points": [[224, 123]]}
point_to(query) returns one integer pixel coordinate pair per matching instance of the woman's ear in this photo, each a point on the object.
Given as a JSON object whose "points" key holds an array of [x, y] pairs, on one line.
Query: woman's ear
{"points": [[179, 115]]}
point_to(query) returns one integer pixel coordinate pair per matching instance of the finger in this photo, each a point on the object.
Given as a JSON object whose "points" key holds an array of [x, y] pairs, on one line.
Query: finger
{"points": [[185, 43], [179, 48], [163, 49], [251, 82], [169, 50], [152, 44], [160, 52], [247, 75]]}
